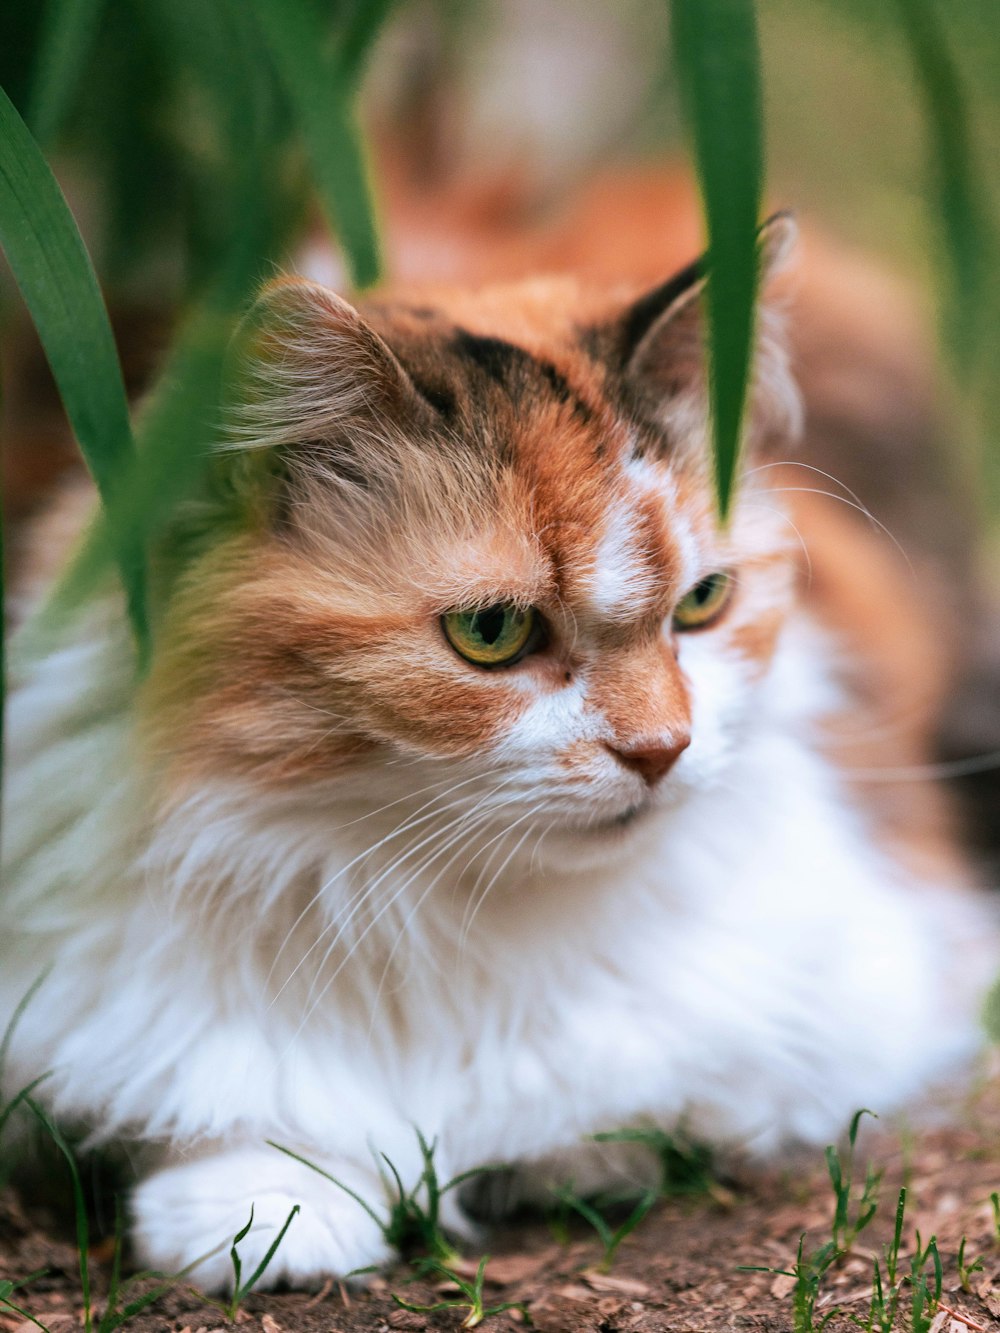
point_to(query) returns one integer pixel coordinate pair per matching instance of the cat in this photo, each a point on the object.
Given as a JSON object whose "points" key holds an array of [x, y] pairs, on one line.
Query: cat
{"points": [[479, 786]]}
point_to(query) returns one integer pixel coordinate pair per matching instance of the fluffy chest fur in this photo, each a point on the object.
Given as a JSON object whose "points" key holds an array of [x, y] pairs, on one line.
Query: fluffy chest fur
{"points": [[475, 787]]}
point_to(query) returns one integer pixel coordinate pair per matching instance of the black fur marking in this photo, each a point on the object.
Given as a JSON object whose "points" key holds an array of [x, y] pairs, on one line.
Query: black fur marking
{"points": [[647, 310], [440, 396], [563, 390], [650, 442], [556, 382], [496, 358], [506, 364]]}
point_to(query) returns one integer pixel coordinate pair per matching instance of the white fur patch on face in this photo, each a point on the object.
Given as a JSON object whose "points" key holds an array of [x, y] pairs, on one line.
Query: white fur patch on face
{"points": [[656, 479], [622, 582], [691, 557]]}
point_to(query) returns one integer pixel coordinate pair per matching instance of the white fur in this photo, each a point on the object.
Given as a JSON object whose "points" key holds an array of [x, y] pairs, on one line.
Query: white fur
{"points": [[449, 947], [622, 581]]}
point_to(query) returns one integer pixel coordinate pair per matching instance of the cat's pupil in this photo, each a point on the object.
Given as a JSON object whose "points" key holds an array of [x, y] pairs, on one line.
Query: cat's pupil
{"points": [[704, 590], [489, 624]]}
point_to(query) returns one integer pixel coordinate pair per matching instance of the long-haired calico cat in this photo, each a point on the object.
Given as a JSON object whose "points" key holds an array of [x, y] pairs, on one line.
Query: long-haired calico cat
{"points": [[480, 785]]}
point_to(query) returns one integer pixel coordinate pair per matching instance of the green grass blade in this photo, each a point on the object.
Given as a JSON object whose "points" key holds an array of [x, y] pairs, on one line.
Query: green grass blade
{"points": [[402, 1197], [109, 1321], [20, 1099], [3, 717], [588, 1213], [221, 47], [68, 30], [55, 276], [24, 1314], [22, 1005], [426, 1309], [9, 1286], [261, 1268], [132, 1308], [429, 1177], [179, 425], [718, 69], [938, 1269], [320, 95], [435, 1268], [959, 205], [892, 1253], [638, 1213], [490, 1169], [79, 1206], [362, 1203], [852, 1133], [359, 33], [991, 1012]]}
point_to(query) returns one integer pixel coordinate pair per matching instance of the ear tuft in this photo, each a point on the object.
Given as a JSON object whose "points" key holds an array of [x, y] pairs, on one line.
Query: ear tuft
{"points": [[306, 369], [776, 240]]}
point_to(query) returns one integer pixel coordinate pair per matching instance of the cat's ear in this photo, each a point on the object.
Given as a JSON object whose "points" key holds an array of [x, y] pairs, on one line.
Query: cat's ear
{"points": [[307, 372], [661, 336]]}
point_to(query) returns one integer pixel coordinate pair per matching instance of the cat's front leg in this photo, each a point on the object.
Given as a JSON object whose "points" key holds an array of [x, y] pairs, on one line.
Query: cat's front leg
{"points": [[186, 1214]]}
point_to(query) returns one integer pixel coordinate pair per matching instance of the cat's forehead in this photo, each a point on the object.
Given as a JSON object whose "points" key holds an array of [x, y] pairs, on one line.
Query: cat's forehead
{"points": [[528, 382], [512, 350], [529, 376]]}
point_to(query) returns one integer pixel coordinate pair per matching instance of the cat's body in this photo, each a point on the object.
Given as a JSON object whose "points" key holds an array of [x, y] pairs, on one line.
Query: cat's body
{"points": [[325, 880]]}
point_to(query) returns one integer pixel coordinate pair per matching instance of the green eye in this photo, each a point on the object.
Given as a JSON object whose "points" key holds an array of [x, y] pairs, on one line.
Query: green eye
{"points": [[495, 636], [704, 603]]}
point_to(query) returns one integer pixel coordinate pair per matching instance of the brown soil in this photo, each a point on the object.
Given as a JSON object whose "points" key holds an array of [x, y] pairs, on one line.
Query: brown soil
{"points": [[679, 1272]]}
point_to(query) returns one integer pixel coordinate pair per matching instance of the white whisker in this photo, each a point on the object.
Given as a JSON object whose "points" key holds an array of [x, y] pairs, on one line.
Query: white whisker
{"points": [[418, 817], [876, 522]]}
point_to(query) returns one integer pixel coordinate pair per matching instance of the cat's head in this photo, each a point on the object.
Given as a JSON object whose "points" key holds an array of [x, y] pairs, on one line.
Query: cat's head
{"points": [[471, 555]]}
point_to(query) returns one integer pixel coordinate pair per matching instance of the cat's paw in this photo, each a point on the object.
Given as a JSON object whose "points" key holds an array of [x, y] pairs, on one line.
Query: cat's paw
{"points": [[186, 1216]]}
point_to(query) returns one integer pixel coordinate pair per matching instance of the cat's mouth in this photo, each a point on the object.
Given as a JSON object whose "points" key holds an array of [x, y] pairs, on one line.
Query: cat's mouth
{"points": [[622, 820]]}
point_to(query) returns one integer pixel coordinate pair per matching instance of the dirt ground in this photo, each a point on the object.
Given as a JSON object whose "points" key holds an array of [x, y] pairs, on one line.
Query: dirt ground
{"points": [[678, 1272]]}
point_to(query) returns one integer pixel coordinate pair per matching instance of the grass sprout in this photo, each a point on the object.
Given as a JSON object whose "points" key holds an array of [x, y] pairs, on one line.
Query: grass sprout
{"points": [[686, 1165], [20, 1098], [610, 1236], [120, 1306], [892, 1250], [413, 1228], [79, 1206], [15, 1018], [965, 1271], [413, 1225], [808, 1272], [471, 1299], [925, 1291], [7, 1289], [851, 1215], [890, 1284], [914, 1286], [119, 1309], [242, 1289]]}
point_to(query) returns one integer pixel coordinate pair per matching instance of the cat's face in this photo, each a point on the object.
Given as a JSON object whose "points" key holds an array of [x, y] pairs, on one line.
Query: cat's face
{"points": [[490, 568]]}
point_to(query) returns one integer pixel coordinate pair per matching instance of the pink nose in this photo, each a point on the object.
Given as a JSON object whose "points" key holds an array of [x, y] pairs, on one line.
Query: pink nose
{"points": [[650, 759]]}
